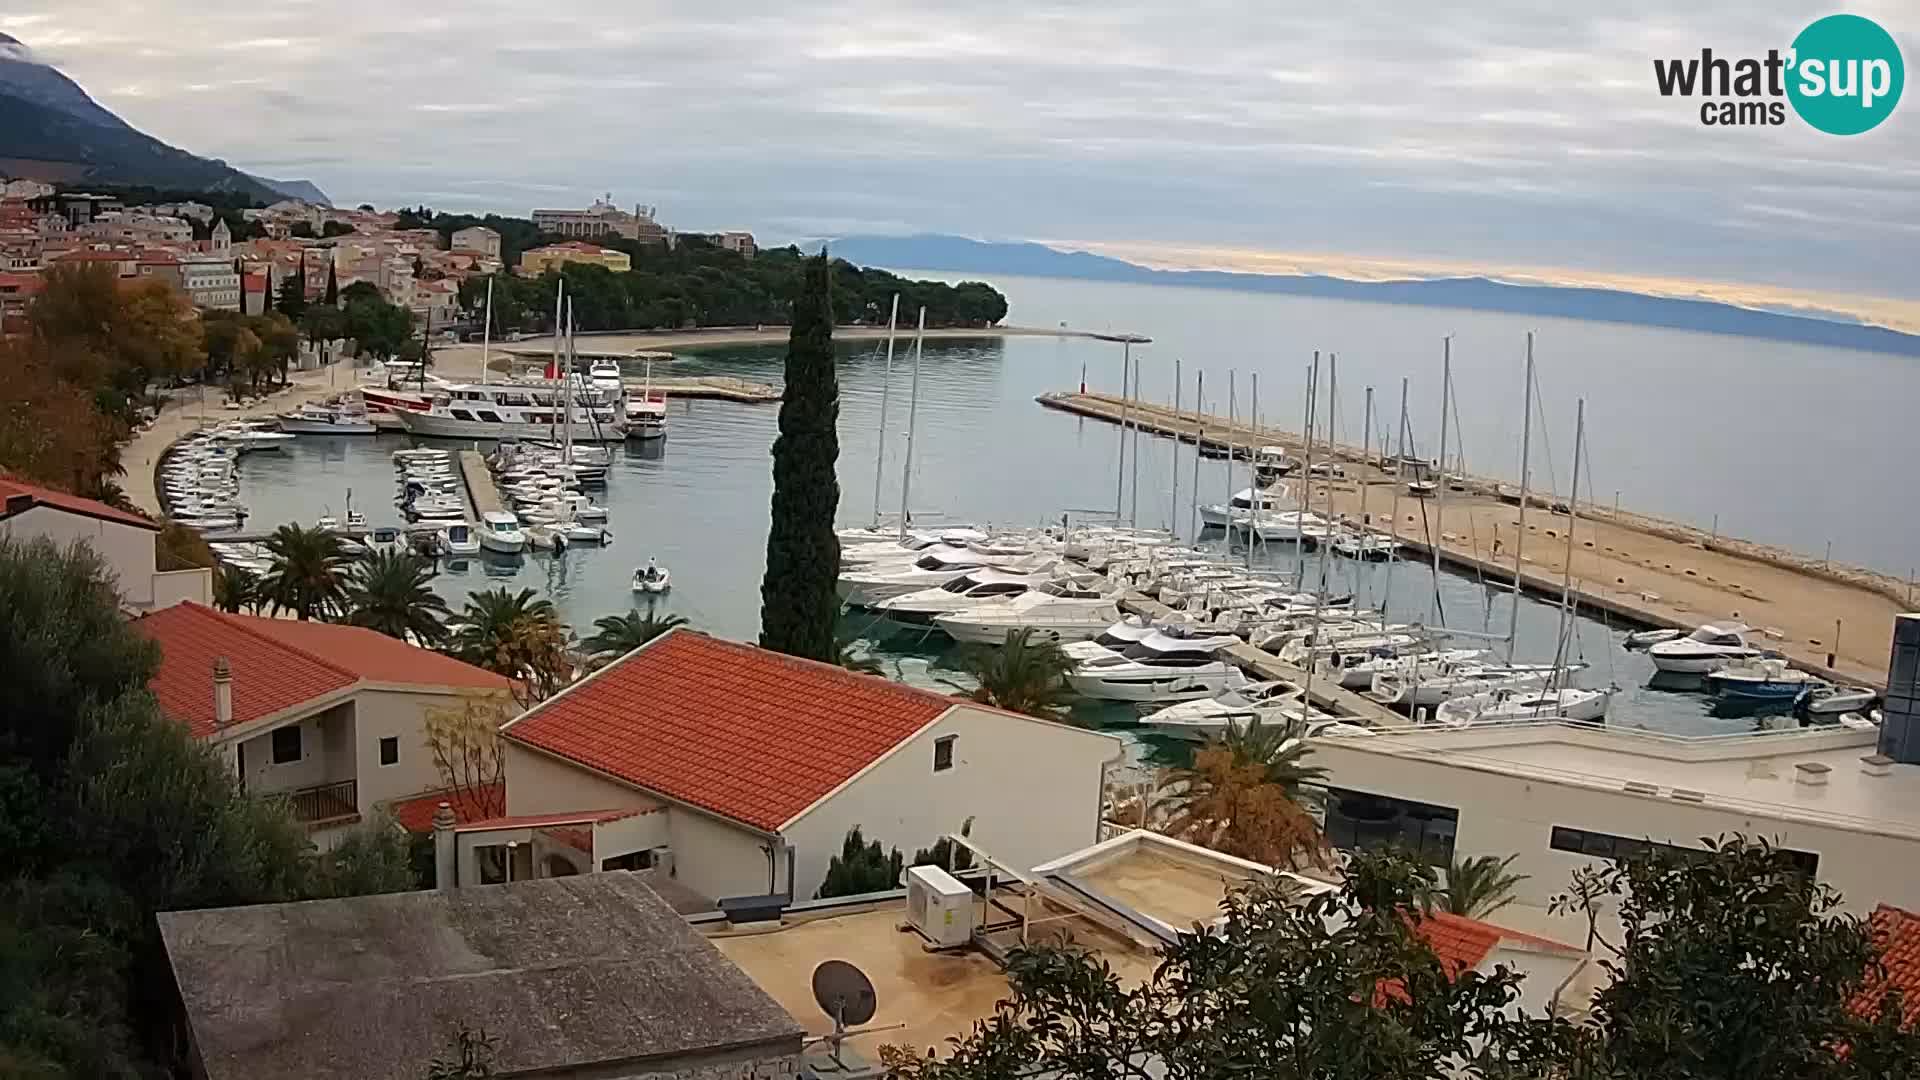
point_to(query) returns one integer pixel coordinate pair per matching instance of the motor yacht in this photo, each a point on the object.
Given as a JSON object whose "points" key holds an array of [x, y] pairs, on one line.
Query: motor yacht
{"points": [[970, 590], [501, 532], [1505, 706], [1063, 610], [1710, 647], [1170, 664]]}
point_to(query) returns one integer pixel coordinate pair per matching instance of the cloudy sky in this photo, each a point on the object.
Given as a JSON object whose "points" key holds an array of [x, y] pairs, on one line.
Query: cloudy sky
{"points": [[1482, 133]]}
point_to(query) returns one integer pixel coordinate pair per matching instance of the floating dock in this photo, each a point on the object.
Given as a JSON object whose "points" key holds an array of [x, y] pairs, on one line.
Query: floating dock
{"points": [[482, 496], [1630, 567]]}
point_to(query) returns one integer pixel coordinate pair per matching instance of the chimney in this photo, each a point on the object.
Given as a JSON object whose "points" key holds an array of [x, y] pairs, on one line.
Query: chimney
{"points": [[444, 871], [222, 693]]}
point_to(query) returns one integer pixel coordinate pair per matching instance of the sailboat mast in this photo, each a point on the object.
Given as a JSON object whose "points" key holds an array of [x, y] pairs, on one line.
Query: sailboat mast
{"points": [[1366, 458], [1231, 405], [1440, 492], [1393, 516], [1199, 440], [1306, 504], [886, 388], [1253, 482], [913, 418], [1173, 505], [1120, 460], [1133, 512], [1520, 526], [1573, 516], [486, 332]]}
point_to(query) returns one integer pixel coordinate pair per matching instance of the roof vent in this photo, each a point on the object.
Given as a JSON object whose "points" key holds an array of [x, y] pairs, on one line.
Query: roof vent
{"points": [[1811, 773], [1685, 795], [1876, 764], [222, 693], [1638, 788]]}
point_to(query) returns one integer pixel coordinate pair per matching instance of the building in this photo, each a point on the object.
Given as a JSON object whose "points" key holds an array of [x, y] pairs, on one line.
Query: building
{"points": [[25, 189], [478, 239], [747, 768], [135, 227], [124, 262], [332, 717], [740, 243], [17, 291], [163, 265], [125, 541], [589, 977], [601, 219], [537, 261], [210, 281]]}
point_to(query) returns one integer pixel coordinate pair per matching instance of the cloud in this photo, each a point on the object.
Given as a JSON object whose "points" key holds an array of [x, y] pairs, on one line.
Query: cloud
{"points": [[1499, 130]]}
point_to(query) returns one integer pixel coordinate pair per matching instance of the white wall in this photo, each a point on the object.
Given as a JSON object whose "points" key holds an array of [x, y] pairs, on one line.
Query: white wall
{"points": [[127, 549], [1032, 788], [1501, 815], [263, 776], [717, 859], [171, 587], [403, 715], [538, 783]]}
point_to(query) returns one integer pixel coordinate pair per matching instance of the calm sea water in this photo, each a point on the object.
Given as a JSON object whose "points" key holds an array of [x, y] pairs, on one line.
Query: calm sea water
{"points": [[1684, 425]]}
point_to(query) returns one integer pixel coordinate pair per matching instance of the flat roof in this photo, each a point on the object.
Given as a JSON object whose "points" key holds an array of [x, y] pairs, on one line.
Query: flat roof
{"points": [[587, 971], [1755, 774]]}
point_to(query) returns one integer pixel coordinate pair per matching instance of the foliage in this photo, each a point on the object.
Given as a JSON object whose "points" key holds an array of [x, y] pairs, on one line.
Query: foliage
{"points": [[472, 1058], [1243, 795], [799, 607], [381, 329], [617, 635], [392, 592], [1021, 675], [52, 431], [861, 867], [236, 590], [1324, 987], [181, 548], [516, 635], [1733, 962], [376, 857], [253, 348], [946, 854], [1478, 887], [331, 229], [292, 301], [468, 753], [306, 573]]}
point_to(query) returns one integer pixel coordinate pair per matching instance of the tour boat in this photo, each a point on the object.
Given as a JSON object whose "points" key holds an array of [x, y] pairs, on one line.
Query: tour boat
{"points": [[1706, 649], [1061, 611], [501, 532], [326, 419], [1762, 680], [1169, 664], [517, 411]]}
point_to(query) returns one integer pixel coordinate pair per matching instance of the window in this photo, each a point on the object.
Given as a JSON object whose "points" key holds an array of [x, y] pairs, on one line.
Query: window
{"points": [[488, 415], [390, 750], [1362, 820], [1608, 846], [286, 744], [635, 860], [943, 752]]}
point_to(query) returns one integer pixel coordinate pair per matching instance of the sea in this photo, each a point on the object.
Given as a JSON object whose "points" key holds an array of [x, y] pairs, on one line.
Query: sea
{"points": [[1770, 441]]}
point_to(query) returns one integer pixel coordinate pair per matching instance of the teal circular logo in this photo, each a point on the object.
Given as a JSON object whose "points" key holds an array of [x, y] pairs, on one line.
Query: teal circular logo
{"points": [[1846, 75]]}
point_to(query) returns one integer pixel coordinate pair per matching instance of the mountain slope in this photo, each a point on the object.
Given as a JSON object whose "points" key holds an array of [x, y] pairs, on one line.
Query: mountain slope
{"points": [[305, 190], [24, 77], [961, 255]]}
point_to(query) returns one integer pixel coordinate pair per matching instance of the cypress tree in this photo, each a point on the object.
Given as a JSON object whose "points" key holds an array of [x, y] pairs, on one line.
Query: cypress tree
{"points": [[333, 285], [798, 604]]}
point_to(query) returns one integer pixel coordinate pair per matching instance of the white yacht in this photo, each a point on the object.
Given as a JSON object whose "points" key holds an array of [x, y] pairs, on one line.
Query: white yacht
{"points": [[968, 591], [646, 413], [1271, 463], [605, 376], [459, 538], [1289, 527], [1355, 669], [1423, 685], [524, 410], [327, 418], [386, 538], [1062, 610], [1237, 508], [1501, 706], [936, 566], [501, 532], [1711, 646], [1271, 701], [1169, 664]]}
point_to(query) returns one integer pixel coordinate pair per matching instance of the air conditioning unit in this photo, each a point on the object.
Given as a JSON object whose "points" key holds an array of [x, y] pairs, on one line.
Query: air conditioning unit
{"points": [[662, 859], [940, 908]]}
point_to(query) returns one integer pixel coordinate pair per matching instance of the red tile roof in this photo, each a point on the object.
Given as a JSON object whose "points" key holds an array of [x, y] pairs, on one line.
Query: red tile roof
{"points": [[1462, 944], [747, 734], [278, 664], [531, 821], [416, 814], [1897, 932], [60, 500]]}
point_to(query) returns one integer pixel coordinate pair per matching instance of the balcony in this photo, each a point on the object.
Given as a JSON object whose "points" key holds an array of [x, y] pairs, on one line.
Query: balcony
{"points": [[324, 804]]}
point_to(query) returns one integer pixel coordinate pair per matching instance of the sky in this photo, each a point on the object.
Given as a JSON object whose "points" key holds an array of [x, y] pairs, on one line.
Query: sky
{"points": [[1496, 134]]}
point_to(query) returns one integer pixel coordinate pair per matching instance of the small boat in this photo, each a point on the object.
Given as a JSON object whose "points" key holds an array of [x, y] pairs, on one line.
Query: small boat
{"points": [[1647, 638], [1271, 463], [1762, 680], [501, 532], [1708, 648], [326, 419], [1834, 700], [576, 532], [355, 519], [385, 538], [1422, 489], [459, 538], [652, 578], [545, 538]]}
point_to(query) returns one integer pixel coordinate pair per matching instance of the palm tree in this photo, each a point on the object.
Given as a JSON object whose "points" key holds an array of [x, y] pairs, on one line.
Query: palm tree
{"points": [[618, 635], [390, 591], [1478, 887], [305, 577], [1245, 794], [235, 590], [1022, 675], [517, 635]]}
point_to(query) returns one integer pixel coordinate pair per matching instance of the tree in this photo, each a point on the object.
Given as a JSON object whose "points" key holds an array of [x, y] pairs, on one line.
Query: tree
{"points": [[468, 753], [1334, 986], [331, 229], [1733, 962], [305, 577], [861, 867], [1022, 675], [292, 301], [617, 635], [1243, 795], [1478, 887], [799, 607], [375, 857], [50, 430], [332, 296], [946, 854], [392, 592], [516, 635], [301, 230], [179, 547], [236, 590]]}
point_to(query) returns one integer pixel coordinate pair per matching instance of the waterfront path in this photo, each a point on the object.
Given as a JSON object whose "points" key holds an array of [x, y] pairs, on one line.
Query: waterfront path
{"points": [[1632, 566], [183, 413], [482, 496]]}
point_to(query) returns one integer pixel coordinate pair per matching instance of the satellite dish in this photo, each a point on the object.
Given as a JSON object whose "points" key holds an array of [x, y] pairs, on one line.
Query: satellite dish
{"points": [[844, 992]]}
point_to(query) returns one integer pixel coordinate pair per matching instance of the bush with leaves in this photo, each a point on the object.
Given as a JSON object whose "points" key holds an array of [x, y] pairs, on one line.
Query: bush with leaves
{"points": [[861, 867]]}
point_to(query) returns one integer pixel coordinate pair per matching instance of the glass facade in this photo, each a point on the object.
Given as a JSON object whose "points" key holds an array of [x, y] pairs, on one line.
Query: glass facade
{"points": [[1363, 820]]}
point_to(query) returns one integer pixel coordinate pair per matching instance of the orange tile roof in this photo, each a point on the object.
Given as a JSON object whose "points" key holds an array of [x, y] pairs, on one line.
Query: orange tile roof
{"points": [[531, 821], [416, 814], [1897, 933], [73, 504], [1462, 944], [750, 735], [278, 664]]}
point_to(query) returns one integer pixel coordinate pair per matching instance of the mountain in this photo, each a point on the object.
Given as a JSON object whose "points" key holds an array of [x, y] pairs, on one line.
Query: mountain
{"points": [[51, 130], [961, 255], [305, 190]]}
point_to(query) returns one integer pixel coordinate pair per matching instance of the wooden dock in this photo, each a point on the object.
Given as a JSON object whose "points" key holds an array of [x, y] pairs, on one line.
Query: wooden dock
{"points": [[482, 496], [1633, 568], [695, 387]]}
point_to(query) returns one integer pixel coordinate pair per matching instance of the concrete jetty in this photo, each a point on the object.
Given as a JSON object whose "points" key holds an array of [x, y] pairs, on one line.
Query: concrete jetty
{"points": [[1632, 567], [482, 496]]}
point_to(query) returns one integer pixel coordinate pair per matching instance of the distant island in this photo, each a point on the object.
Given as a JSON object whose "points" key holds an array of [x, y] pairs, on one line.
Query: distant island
{"points": [[961, 255]]}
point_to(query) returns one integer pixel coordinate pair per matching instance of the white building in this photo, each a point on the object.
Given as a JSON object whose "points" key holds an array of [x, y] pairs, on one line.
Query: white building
{"points": [[600, 219], [210, 281], [1561, 796], [478, 239], [125, 541], [740, 771], [135, 227]]}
